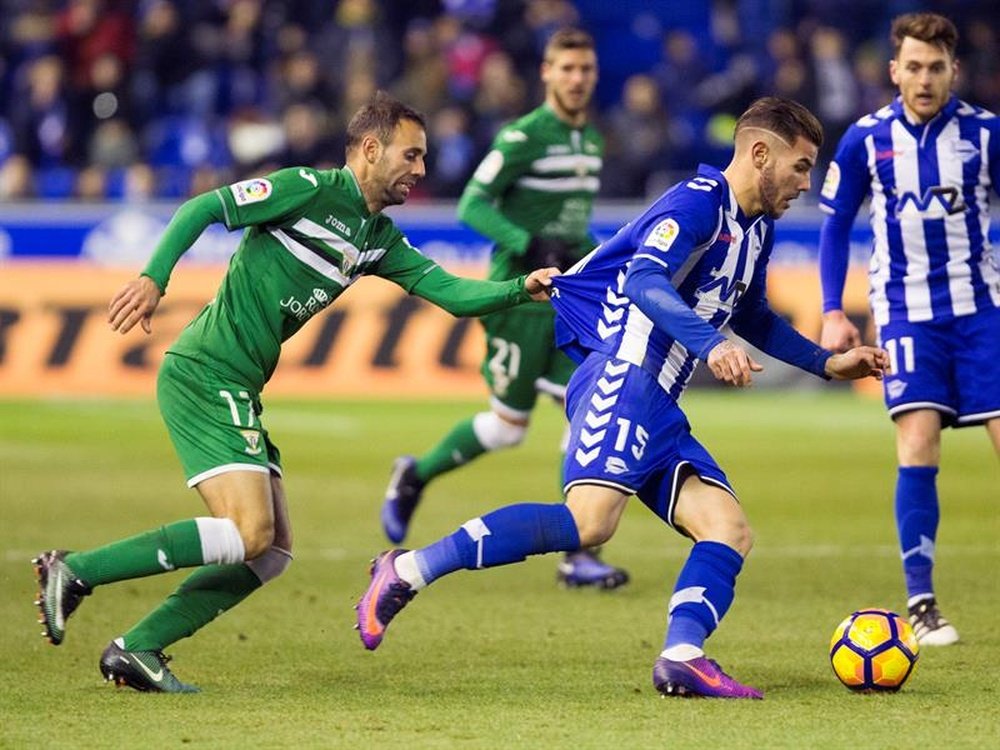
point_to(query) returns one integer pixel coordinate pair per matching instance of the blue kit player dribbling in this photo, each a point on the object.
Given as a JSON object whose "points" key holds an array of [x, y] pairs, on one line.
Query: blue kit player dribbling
{"points": [[639, 312], [929, 161]]}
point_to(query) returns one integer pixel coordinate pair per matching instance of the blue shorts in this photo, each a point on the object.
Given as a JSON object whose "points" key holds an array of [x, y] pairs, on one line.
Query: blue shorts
{"points": [[627, 433], [950, 366]]}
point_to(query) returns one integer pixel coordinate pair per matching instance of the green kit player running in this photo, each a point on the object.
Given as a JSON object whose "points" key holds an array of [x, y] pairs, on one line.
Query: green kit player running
{"points": [[309, 235], [533, 196]]}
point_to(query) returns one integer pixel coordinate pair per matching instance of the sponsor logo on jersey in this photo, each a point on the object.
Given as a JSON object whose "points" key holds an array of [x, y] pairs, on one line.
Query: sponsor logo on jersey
{"points": [[663, 235], [253, 442], [319, 299], [933, 201], [558, 149], [337, 224], [251, 191], [832, 181]]}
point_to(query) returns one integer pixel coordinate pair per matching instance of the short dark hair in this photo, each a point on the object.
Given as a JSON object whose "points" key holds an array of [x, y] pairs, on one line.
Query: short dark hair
{"points": [[381, 115], [568, 38], [784, 117], [925, 27]]}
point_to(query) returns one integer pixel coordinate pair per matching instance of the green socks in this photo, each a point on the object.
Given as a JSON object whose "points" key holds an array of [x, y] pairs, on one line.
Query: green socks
{"points": [[176, 545], [206, 594], [458, 447]]}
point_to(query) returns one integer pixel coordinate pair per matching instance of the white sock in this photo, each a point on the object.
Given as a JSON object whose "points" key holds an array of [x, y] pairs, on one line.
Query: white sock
{"points": [[682, 652], [407, 569], [221, 542]]}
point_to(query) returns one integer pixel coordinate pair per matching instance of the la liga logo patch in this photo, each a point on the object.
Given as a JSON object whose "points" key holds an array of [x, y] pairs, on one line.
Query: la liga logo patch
{"points": [[251, 191], [663, 235]]}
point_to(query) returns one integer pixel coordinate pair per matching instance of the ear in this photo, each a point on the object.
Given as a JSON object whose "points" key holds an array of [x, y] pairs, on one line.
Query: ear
{"points": [[760, 152], [893, 72], [371, 148]]}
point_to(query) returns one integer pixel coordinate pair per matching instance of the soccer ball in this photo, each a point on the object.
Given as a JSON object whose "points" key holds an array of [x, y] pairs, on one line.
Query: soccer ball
{"points": [[873, 650]]}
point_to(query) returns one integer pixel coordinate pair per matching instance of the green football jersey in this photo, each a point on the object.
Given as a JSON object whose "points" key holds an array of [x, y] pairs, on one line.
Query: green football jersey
{"points": [[309, 235], [542, 175]]}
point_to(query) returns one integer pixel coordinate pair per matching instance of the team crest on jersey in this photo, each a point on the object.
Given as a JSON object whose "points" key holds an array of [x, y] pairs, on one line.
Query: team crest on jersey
{"points": [[253, 442], [615, 465], [895, 388], [251, 191], [832, 181], [663, 235]]}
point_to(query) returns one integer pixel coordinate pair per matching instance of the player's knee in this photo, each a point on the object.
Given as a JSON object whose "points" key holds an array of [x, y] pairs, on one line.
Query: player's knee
{"points": [[271, 564], [494, 433], [258, 536], [723, 521]]}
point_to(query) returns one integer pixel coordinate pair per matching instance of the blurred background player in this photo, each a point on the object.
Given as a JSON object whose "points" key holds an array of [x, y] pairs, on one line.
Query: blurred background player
{"points": [[639, 313], [532, 195], [310, 234], [928, 160]]}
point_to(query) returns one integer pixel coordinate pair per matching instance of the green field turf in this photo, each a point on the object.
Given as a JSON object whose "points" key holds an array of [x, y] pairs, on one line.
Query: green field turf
{"points": [[499, 658]]}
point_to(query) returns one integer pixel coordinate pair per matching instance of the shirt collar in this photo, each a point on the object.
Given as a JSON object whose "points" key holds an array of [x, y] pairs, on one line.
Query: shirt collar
{"points": [[729, 202], [355, 188]]}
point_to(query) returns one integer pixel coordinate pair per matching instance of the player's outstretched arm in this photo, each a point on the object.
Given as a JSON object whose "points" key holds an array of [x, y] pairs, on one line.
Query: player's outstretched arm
{"points": [[134, 303], [466, 298], [859, 362], [137, 300]]}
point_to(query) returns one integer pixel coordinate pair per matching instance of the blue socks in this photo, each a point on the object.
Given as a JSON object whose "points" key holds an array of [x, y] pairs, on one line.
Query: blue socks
{"points": [[917, 515], [504, 536], [703, 593]]}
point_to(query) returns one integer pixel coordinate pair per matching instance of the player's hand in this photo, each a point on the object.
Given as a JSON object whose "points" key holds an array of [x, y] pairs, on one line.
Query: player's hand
{"points": [[134, 303], [731, 364], [839, 333], [859, 362], [544, 252], [538, 283]]}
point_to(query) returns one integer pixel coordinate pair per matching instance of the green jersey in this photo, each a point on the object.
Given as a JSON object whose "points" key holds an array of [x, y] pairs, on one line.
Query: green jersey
{"points": [[539, 179], [309, 235]]}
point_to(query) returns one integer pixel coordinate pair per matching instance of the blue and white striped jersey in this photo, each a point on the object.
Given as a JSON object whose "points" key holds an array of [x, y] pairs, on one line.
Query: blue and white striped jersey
{"points": [[929, 185], [699, 241]]}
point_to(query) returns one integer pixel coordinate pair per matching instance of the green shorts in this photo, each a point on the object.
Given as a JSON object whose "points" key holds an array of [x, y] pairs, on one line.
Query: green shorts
{"points": [[522, 358], [214, 423]]}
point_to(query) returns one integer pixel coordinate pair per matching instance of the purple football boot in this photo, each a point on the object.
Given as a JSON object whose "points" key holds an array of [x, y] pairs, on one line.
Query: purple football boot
{"points": [[698, 677], [387, 594], [401, 498], [585, 568]]}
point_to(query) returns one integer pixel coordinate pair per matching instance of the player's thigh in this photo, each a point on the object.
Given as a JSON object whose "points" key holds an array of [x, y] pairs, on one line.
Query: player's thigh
{"points": [[596, 509], [519, 345], [706, 511], [922, 368], [976, 342], [214, 424]]}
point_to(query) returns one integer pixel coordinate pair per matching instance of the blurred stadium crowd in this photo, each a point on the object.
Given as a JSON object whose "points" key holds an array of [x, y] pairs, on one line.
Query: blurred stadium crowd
{"points": [[146, 99]]}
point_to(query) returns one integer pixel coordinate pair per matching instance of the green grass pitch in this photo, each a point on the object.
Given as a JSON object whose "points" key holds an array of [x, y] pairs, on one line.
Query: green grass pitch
{"points": [[498, 658]]}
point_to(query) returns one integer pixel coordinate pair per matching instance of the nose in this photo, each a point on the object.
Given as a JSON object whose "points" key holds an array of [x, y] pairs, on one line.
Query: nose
{"points": [[419, 168]]}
